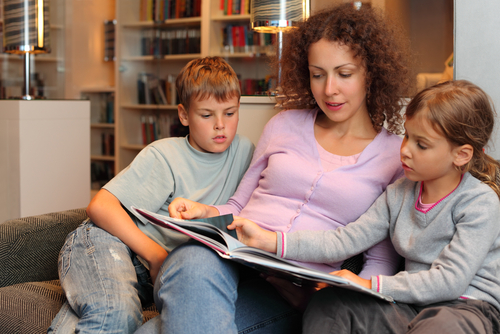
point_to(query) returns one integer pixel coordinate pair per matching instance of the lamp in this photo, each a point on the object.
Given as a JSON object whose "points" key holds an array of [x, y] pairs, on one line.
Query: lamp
{"points": [[26, 31], [278, 16]]}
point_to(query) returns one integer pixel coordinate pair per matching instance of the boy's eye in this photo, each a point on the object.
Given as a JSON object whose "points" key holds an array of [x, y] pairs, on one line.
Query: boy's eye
{"points": [[230, 114], [205, 116]]}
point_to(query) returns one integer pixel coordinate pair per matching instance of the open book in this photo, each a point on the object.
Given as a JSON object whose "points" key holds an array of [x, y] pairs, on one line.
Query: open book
{"points": [[213, 233]]}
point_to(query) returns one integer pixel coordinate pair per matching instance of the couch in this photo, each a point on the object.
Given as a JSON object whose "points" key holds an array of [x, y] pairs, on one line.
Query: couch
{"points": [[30, 293]]}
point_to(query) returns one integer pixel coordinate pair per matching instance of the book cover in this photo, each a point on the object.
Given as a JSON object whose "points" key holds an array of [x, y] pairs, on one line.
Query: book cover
{"points": [[213, 233]]}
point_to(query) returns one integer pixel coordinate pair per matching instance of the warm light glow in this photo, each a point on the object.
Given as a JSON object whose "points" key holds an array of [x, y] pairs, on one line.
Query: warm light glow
{"points": [[40, 23]]}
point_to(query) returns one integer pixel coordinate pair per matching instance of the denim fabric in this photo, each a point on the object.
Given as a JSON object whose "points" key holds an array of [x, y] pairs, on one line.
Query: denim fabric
{"points": [[103, 282], [197, 291]]}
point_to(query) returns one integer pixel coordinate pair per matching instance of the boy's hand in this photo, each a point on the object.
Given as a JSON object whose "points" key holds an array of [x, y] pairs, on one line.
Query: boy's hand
{"points": [[252, 235], [155, 265], [353, 277], [186, 209]]}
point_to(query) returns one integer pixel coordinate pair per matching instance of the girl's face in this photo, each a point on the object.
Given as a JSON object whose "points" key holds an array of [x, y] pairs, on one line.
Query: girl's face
{"points": [[426, 155], [338, 81]]}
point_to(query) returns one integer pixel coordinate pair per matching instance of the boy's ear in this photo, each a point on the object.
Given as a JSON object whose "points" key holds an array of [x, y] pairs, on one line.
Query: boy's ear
{"points": [[183, 115], [463, 155]]}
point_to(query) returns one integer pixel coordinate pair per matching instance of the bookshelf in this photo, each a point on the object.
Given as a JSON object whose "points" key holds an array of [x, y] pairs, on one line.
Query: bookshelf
{"points": [[141, 52]]}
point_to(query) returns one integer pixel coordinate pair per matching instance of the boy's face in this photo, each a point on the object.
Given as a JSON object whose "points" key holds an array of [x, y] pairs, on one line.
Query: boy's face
{"points": [[212, 124]]}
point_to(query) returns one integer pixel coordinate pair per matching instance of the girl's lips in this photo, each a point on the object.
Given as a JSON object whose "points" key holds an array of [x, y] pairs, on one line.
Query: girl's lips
{"points": [[405, 166]]}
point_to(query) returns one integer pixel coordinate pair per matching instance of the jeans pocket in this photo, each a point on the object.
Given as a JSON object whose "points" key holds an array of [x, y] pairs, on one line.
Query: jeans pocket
{"points": [[64, 262]]}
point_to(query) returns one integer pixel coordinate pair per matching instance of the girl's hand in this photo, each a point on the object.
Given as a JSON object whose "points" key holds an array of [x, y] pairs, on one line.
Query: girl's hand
{"points": [[353, 277], [252, 235], [186, 209]]}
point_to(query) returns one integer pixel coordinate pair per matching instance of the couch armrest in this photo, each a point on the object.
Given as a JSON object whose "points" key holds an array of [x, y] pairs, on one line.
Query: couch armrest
{"points": [[29, 247]]}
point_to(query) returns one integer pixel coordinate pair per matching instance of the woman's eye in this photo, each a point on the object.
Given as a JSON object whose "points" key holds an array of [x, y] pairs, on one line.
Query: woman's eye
{"points": [[315, 76], [345, 75]]}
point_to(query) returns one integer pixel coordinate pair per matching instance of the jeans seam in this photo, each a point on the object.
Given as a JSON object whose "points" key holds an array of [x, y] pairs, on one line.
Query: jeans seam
{"points": [[266, 322]]}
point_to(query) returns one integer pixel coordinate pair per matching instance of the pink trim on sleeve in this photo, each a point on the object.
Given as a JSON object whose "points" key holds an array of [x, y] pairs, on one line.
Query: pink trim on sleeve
{"points": [[282, 245]]}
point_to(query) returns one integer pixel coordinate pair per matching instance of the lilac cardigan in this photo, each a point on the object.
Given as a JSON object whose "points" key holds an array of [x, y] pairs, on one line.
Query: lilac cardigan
{"points": [[285, 188]]}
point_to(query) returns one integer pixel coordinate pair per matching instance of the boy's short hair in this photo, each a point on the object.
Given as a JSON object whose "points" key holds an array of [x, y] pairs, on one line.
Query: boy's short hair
{"points": [[206, 77]]}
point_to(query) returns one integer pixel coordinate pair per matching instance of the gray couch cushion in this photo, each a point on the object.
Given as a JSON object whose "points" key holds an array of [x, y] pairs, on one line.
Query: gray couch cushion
{"points": [[29, 247]]}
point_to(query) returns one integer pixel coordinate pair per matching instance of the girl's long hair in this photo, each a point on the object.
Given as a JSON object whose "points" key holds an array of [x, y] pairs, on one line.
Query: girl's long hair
{"points": [[464, 114]]}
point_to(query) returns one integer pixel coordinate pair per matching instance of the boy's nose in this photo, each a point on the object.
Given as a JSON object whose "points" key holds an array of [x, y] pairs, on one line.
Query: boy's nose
{"points": [[219, 124]]}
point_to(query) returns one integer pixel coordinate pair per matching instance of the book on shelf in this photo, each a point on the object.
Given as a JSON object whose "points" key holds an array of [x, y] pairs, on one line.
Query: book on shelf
{"points": [[161, 125], [100, 173], [235, 7], [109, 40], [161, 10], [241, 38], [107, 144], [153, 90], [213, 233], [159, 42]]}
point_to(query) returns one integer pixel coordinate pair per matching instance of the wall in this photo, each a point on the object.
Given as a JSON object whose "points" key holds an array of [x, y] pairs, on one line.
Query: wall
{"points": [[477, 51], [85, 65]]}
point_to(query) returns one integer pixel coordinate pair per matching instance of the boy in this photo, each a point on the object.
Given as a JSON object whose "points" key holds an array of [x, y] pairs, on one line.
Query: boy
{"points": [[102, 265]]}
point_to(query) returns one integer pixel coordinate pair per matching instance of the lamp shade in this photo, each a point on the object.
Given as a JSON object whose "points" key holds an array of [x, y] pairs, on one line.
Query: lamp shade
{"points": [[26, 26], [271, 16]]}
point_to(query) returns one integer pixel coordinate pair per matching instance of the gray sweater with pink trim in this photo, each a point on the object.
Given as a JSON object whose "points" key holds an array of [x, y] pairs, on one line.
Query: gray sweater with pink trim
{"points": [[451, 251]]}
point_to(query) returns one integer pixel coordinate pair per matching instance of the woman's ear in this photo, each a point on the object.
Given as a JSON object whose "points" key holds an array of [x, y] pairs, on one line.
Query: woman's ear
{"points": [[463, 154], [183, 115]]}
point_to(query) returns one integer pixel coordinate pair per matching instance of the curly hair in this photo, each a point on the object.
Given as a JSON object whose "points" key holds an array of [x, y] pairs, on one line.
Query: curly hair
{"points": [[464, 114], [381, 47]]}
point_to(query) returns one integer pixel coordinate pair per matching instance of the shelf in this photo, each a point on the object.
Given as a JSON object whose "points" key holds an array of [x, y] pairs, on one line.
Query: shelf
{"points": [[231, 18], [102, 158], [188, 56], [187, 21], [102, 125], [134, 147], [150, 106], [106, 89]]}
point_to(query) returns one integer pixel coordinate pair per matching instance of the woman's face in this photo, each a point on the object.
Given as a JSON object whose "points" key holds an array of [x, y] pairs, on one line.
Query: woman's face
{"points": [[338, 81]]}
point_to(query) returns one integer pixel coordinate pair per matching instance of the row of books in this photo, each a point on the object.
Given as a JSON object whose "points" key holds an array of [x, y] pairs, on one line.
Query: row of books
{"points": [[100, 173], [161, 10], [102, 107], [153, 90], [109, 40], [158, 126], [160, 42], [235, 7], [241, 38]]}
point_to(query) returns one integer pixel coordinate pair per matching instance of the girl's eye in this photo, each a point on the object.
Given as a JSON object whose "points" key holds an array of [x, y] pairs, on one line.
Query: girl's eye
{"points": [[420, 146]]}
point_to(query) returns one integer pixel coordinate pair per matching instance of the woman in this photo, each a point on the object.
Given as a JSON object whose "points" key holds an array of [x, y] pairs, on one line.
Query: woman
{"points": [[316, 169]]}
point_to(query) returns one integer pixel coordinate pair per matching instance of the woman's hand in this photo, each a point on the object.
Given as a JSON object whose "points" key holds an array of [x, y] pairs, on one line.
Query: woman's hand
{"points": [[353, 277], [252, 235], [186, 209]]}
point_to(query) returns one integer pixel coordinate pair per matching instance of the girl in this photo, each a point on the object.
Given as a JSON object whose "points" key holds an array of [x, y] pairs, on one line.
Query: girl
{"points": [[442, 218]]}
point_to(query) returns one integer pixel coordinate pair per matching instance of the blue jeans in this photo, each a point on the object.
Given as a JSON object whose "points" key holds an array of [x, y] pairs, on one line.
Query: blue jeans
{"points": [[197, 291], [104, 284]]}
